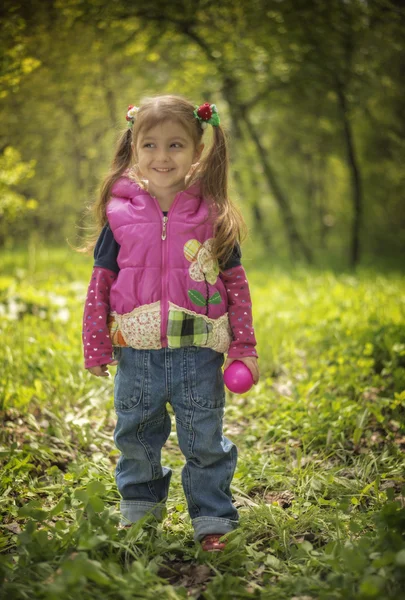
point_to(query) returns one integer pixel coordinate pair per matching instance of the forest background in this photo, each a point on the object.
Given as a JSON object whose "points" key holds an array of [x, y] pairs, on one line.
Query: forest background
{"points": [[310, 92]]}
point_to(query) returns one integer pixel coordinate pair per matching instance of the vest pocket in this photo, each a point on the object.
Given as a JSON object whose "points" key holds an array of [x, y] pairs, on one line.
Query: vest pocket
{"points": [[139, 328], [129, 379], [188, 328]]}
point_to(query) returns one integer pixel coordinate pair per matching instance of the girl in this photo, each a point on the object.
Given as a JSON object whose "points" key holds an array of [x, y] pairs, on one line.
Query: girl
{"points": [[169, 294]]}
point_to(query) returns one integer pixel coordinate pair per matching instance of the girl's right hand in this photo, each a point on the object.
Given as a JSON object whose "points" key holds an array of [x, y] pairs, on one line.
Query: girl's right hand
{"points": [[101, 370]]}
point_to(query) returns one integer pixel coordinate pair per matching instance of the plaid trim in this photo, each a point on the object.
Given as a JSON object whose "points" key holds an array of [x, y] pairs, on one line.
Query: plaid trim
{"points": [[187, 330]]}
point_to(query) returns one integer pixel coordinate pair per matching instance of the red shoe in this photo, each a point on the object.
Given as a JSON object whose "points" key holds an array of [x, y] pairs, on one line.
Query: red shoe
{"points": [[211, 543]]}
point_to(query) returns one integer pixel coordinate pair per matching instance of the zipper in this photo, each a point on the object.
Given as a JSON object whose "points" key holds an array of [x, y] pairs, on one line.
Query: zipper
{"points": [[164, 311], [165, 219]]}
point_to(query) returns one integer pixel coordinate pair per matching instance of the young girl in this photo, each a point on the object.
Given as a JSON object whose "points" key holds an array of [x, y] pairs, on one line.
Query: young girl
{"points": [[168, 297]]}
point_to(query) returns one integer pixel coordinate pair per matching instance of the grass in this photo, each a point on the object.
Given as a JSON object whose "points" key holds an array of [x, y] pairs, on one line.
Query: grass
{"points": [[320, 478]]}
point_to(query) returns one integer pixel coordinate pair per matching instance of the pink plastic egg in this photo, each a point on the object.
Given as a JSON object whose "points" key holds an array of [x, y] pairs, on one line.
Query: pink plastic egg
{"points": [[238, 378]]}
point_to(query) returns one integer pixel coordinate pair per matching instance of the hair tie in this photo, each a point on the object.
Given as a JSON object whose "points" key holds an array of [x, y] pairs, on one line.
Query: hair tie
{"points": [[207, 113], [131, 114]]}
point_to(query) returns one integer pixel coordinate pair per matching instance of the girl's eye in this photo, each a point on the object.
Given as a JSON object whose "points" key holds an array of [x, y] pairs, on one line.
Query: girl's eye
{"points": [[148, 145], [177, 145]]}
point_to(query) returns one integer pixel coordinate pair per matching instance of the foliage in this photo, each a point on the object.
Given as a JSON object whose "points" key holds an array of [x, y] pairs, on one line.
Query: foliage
{"points": [[310, 91], [15, 63], [13, 172], [320, 477]]}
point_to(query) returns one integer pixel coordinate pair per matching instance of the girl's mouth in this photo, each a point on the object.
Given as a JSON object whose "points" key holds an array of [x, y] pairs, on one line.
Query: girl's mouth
{"points": [[162, 170]]}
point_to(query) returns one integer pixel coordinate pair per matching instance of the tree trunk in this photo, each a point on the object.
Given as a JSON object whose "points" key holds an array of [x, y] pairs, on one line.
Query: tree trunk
{"points": [[357, 195], [321, 202], [297, 245], [258, 216]]}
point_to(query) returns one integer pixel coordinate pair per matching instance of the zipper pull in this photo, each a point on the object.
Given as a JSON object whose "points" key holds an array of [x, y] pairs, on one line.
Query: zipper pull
{"points": [[165, 219]]}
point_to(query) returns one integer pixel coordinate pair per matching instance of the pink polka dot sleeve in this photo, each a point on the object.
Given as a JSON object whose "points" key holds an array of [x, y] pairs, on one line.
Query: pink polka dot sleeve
{"points": [[97, 347], [240, 313]]}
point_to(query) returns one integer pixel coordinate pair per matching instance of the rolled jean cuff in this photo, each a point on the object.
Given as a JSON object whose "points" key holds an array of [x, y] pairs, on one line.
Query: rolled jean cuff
{"points": [[205, 525], [133, 510]]}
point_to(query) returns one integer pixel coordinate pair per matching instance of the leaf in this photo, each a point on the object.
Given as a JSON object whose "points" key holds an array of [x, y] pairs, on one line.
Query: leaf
{"points": [[95, 487], [196, 297], [33, 509], [96, 503], [355, 527], [306, 546], [95, 573], [357, 435], [82, 495], [90, 541], [272, 561], [215, 298], [371, 586], [58, 508]]}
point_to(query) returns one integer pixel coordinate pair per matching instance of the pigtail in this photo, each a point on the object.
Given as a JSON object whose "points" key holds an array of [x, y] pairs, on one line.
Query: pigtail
{"points": [[230, 227], [119, 164], [214, 181]]}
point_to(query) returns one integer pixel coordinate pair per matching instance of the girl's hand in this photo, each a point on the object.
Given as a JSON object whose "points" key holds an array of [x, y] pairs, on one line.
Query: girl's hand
{"points": [[250, 362], [101, 370]]}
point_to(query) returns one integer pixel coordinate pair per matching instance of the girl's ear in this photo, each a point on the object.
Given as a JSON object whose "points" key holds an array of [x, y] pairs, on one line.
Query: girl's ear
{"points": [[198, 152]]}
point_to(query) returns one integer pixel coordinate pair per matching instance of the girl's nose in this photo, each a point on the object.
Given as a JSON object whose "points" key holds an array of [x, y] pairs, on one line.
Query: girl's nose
{"points": [[162, 154]]}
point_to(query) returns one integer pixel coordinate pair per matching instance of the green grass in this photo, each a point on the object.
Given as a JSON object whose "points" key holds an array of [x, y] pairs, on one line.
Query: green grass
{"points": [[320, 478]]}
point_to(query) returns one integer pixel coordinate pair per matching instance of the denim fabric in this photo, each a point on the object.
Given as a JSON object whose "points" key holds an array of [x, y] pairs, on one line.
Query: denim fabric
{"points": [[191, 380]]}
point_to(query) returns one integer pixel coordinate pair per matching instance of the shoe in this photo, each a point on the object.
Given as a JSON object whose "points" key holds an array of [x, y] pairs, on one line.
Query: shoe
{"points": [[211, 543]]}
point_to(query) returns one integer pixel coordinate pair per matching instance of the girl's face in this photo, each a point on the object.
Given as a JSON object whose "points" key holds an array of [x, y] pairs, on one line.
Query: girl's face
{"points": [[165, 154]]}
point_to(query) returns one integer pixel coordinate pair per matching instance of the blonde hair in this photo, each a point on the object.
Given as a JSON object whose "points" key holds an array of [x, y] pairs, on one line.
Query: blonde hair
{"points": [[211, 171]]}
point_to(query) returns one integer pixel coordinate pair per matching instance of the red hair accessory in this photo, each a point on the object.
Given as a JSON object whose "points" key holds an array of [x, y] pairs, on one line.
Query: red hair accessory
{"points": [[207, 113]]}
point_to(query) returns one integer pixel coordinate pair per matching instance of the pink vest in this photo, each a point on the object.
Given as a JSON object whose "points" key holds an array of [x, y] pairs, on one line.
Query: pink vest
{"points": [[168, 292]]}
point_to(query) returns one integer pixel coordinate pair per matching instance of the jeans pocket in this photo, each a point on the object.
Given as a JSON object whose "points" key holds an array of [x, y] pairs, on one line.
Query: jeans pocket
{"points": [[206, 377], [129, 379], [116, 353]]}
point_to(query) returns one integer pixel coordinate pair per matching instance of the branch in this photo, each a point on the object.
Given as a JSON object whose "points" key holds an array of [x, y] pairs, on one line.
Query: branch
{"points": [[263, 93]]}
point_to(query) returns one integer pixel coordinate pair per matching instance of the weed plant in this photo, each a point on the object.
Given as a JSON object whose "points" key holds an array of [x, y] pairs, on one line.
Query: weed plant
{"points": [[320, 478]]}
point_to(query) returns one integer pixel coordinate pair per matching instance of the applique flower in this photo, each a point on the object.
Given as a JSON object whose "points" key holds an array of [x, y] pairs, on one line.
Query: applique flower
{"points": [[203, 266]]}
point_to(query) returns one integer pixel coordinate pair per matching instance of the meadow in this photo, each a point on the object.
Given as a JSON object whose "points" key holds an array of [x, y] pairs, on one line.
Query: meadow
{"points": [[320, 482]]}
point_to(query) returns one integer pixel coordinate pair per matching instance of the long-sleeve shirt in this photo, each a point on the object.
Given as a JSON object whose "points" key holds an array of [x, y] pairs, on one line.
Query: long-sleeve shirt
{"points": [[96, 336]]}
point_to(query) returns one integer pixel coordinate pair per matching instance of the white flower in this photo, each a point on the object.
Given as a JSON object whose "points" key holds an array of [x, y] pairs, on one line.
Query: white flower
{"points": [[132, 112]]}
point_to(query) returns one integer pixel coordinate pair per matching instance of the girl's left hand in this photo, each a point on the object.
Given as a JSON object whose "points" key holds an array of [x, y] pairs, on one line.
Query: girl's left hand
{"points": [[250, 362]]}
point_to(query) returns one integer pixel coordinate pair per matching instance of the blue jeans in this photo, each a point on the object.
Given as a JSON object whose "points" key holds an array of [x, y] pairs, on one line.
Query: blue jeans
{"points": [[191, 380]]}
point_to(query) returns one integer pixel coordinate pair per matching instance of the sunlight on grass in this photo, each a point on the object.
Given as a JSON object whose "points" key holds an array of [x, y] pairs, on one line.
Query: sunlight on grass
{"points": [[320, 477]]}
